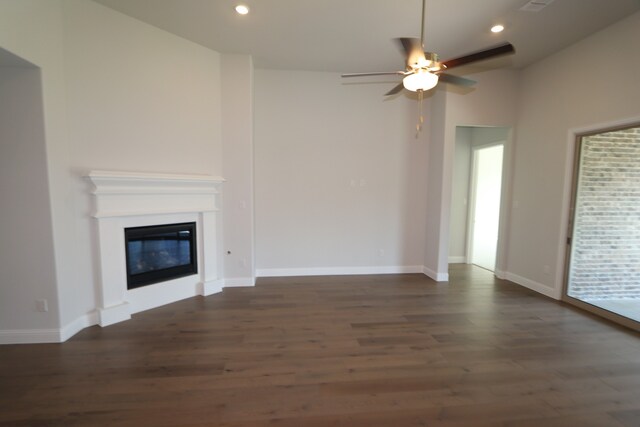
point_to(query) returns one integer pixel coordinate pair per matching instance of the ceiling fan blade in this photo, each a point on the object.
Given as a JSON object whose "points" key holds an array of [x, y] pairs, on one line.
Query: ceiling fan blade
{"points": [[395, 90], [460, 81], [480, 55], [413, 50], [384, 73]]}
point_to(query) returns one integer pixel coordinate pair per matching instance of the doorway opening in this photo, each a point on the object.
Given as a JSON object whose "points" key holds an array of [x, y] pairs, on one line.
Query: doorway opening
{"points": [[603, 255], [477, 195], [484, 210]]}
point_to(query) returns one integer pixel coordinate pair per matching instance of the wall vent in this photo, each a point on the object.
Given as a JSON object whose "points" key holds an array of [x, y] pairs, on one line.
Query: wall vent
{"points": [[536, 5]]}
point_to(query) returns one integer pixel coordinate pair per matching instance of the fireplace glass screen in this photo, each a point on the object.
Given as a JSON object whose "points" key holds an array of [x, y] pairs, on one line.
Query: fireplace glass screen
{"points": [[159, 253]]}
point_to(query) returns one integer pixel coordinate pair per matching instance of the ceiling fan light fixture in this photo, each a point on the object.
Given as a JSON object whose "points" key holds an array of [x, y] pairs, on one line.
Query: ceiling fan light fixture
{"points": [[420, 80], [242, 9]]}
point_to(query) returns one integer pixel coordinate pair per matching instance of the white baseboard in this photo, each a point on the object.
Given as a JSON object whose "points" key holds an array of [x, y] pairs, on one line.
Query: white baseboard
{"points": [[211, 287], [77, 325], [337, 271], [215, 286], [534, 286], [238, 282], [438, 277], [457, 260], [114, 314], [502, 275], [29, 336], [108, 316], [42, 336]]}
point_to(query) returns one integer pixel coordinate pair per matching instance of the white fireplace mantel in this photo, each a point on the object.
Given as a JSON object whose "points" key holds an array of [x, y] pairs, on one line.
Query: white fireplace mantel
{"points": [[129, 199]]}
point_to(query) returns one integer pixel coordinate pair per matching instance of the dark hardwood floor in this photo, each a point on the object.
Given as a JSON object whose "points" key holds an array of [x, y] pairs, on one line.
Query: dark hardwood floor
{"points": [[348, 351]]}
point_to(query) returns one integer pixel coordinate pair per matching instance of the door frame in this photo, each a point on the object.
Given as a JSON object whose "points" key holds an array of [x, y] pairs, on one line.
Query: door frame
{"points": [[577, 153]]}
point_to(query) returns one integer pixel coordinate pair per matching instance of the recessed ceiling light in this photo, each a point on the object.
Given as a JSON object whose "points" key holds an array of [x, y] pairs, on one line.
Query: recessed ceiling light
{"points": [[242, 9], [497, 28]]}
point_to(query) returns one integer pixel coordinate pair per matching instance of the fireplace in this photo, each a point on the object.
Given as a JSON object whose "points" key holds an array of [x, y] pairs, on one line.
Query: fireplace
{"points": [[159, 253], [134, 201]]}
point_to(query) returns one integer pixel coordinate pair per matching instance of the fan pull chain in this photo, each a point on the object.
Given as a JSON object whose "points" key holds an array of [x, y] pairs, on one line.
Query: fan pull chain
{"points": [[420, 114]]}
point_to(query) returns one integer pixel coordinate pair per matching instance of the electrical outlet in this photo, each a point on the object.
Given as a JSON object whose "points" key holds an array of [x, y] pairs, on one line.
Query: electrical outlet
{"points": [[42, 305], [380, 252]]}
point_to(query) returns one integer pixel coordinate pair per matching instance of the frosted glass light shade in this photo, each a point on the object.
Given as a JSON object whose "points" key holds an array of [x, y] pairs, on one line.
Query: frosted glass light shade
{"points": [[421, 80], [242, 9]]}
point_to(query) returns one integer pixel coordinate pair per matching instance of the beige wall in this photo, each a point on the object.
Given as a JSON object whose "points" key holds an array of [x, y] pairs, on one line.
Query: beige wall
{"points": [[32, 30], [27, 268], [339, 176], [591, 84], [493, 102], [138, 99], [237, 137], [120, 95]]}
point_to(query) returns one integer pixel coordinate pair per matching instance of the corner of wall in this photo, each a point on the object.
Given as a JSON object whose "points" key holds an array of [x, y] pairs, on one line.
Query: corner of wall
{"points": [[438, 277], [554, 293]]}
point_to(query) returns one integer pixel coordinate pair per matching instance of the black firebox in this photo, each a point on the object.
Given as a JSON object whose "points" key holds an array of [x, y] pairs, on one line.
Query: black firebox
{"points": [[159, 253]]}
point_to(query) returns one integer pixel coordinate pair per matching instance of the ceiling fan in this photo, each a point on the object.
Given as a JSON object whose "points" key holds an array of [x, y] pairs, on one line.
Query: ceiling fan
{"points": [[423, 69]]}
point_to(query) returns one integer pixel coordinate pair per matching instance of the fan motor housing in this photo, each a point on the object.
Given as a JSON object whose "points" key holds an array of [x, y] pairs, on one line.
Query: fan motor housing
{"points": [[430, 64]]}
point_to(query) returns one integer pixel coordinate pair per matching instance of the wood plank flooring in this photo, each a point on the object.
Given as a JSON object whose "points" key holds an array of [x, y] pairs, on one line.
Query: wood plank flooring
{"points": [[348, 351]]}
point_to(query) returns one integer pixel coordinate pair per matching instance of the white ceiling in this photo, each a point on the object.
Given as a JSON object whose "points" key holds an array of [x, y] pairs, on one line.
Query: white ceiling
{"points": [[356, 35]]}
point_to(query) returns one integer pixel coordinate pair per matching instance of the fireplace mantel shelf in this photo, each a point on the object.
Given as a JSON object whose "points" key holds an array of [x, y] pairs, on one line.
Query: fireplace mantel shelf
{"points": [[137, 193], [149, 176]]}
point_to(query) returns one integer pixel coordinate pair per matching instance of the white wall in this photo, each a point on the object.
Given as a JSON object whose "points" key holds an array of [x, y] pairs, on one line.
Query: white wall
{"points": [[582, 92], [118, 94], [488, 135], [32, 30], [339, 176], [492, 102], [237, 144], [139, 99], [434, 234], [27, 267]]}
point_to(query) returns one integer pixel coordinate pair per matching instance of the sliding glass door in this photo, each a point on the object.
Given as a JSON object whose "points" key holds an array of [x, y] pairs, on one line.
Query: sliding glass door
{"points": [[603, 269]]}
